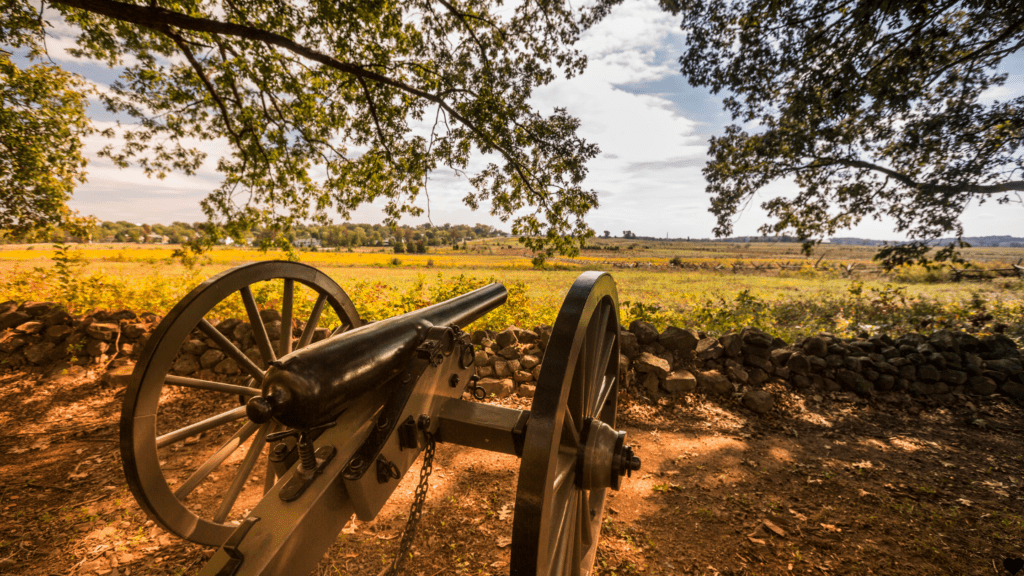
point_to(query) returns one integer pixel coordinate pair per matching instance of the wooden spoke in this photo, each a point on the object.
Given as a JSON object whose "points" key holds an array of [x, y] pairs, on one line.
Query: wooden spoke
{"points": [[565, 471], [604, 385], [193, 429], [218, 458], [602, 344], [343, 328], [314, 319], [565, 522], [259, 329], [287, 300], [244, 362], [210, 385], [570, 430], [242, 476]]}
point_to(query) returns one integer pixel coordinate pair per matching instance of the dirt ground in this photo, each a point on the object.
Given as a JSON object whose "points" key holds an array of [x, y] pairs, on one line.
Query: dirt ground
{"points": [[830, 484]]}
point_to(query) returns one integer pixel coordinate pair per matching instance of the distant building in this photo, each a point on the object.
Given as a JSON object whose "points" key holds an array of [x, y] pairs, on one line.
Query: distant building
{"points": [[306, 243], [156, 239]]}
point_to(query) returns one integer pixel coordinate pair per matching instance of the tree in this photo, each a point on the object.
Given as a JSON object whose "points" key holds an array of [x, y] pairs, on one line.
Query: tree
{"points": [[342, 89], [872, 108], [607, 234], [42, 121]]}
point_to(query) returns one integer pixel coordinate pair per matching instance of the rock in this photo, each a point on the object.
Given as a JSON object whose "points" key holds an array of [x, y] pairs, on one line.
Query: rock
{"points": [[119, 377], [909, 372], [321, 333], [798, 364], [527, 337], [227, 367], [737, 374], [756, 338], [270, 315], [645, 332], [11, 341], [194, 347], [57, 317], [758, 362], [953, 377], [96, 348], [502, 369], [134, 330], [678, 340], [1013, 390], [509, 353], [757, 376], [58, 332], [102, 331], [8, 306], [241, 330], [780, 356], [713, 383], [481, 358], [628, 344], [478, 337], [1008, 366], [506, 338], [528, 362], [709, 349], [520, 376], [943, 340], [853, 381], [274, 331], [485, 371], [679, 382], [759, 401], [732, 344], [37, 309], [649, 363], [527, 390], [817, 363], [39, 353], [497, 388], [982, 386], [12, 319], [815, 346], [928, 373], [185, 365], [211, 358], [885, 383], [651, 384], [31, 327]]}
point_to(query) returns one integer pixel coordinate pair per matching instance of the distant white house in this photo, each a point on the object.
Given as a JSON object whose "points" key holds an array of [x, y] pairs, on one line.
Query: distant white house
{"points": [[306, 243], [156, 239]]}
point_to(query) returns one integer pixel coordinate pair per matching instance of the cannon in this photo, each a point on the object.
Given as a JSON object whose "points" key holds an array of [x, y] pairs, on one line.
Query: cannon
{"points": [[268, 451]]}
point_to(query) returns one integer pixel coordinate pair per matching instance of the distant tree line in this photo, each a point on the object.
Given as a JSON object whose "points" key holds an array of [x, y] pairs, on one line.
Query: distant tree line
{"points": [[401, 238]]}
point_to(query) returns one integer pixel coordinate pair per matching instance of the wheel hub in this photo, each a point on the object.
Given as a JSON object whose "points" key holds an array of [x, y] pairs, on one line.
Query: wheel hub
{"points": [[604, 458]]}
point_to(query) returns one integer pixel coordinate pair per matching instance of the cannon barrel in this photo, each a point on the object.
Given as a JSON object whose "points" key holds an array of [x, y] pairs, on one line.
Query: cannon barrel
{"points": [[313, 385]]}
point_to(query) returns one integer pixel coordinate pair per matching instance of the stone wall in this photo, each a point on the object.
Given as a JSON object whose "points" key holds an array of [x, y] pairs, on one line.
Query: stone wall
{"points": [[657, 365]]}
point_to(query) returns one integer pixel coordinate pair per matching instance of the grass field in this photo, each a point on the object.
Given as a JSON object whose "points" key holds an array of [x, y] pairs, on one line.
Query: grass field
{"points": [[791, 303]]}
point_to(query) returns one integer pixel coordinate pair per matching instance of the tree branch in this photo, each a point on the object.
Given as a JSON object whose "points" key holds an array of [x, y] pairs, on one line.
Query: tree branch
{"points": [[376, 120], [156, 18], [922, 186]]}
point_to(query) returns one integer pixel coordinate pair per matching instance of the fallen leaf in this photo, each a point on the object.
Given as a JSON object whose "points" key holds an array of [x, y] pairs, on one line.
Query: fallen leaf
{"points": [[18, 450], [757, 541], [505, 512], [774, 528], [964, 501], [499, 564], [798, 515], [504, 542], [831, 528], [74, 476], [863, 464]]}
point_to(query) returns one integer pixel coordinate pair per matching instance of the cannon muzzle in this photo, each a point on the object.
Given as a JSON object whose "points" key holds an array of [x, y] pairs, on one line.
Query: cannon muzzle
{"points": [[313, 385]]}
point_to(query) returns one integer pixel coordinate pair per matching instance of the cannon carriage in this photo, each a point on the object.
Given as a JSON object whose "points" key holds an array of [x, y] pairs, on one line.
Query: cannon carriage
{"points": [[314, 433]]}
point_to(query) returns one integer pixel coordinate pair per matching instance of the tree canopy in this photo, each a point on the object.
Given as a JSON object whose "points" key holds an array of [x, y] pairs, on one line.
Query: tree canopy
{"points": [[874, 108], [326, 105], [42, 120]]}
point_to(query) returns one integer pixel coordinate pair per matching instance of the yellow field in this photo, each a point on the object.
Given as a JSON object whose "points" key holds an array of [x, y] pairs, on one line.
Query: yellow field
{"points": [[381, 283]]}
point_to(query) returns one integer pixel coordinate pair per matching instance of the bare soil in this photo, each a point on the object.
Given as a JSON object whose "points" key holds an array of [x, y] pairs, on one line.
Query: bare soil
{"points": [[830, 484]]}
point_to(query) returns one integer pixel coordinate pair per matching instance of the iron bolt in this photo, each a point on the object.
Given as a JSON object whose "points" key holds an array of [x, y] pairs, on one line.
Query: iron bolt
{"points": [[423, 422], [454, 380]]}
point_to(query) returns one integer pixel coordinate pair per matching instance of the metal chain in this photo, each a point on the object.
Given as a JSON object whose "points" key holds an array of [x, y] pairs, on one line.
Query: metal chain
{"points": [[419, 499]]}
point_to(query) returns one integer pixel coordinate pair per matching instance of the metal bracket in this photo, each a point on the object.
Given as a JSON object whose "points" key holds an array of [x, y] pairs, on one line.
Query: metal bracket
{"points": [[235, 557], [408, 435], [298, 483], [386, 470]]}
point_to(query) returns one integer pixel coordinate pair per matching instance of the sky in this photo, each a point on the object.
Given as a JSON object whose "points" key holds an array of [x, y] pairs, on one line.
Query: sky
{"points": [[651, 126]]}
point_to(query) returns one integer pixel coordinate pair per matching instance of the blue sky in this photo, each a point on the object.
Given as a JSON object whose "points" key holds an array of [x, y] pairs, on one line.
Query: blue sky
{"points": [[651, 126]]}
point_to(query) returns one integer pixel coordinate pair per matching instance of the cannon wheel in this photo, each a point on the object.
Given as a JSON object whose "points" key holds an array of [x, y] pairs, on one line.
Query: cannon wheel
{"points": [[557, 523], [186, 431]]}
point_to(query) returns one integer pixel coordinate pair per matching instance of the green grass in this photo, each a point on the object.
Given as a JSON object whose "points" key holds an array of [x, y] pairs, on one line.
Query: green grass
{"points": [[791, 304]]}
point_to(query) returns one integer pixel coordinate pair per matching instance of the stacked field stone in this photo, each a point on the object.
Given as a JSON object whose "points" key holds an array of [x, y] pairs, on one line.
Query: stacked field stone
{"points": [[655, 364]]}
